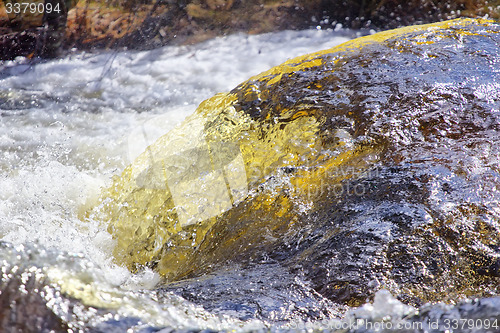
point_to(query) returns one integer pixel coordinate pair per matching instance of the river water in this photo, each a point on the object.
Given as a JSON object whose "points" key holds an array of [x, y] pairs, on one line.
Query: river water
{"points": [[68, 125]]}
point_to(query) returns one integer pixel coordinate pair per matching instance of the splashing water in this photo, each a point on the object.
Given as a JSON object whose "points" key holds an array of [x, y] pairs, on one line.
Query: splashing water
{"points": [[69, 126]]}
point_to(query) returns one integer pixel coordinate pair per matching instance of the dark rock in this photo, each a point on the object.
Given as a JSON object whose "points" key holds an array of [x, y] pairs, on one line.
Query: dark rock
{"points": [[371, 165]]}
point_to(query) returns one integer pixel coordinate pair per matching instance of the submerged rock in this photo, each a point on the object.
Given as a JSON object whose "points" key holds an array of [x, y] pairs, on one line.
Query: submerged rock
{"points": [[46, 291], [371, 165]]}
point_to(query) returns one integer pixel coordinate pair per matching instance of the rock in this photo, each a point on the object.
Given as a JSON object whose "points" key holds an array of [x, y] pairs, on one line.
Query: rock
{"points": [[370, 165], [33, 28], [43, 290], [29, 300], [267, 292], [148, 24]]}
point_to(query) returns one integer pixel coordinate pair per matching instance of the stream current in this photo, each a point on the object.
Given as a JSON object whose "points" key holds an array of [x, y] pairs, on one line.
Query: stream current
{"points": [[68, 126]]}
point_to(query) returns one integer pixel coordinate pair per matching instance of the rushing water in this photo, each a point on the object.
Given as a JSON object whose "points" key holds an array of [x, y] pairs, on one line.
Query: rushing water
{"points": [[67, 126]]}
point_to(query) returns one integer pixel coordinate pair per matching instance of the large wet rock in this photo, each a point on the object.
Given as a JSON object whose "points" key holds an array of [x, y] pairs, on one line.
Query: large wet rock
{"points": [[371, 165]]}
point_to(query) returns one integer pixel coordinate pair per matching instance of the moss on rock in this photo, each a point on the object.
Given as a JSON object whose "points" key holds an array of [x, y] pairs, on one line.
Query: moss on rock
{"points": [[369, 165]]}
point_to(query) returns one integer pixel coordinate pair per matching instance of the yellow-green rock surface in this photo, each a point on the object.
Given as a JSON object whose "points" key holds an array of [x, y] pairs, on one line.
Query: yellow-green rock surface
{"points": [[372, 164]]}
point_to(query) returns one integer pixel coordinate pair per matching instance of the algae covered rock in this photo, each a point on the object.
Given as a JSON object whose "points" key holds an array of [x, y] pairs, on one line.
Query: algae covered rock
{"points": [[371, 165]]}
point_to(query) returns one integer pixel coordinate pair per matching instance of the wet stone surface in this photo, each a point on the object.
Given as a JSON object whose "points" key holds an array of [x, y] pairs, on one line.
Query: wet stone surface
{"points": [[414, 208]]}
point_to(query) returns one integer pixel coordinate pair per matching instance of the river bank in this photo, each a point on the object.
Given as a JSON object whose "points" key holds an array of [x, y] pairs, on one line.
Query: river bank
{"points": [[149, 24]]}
